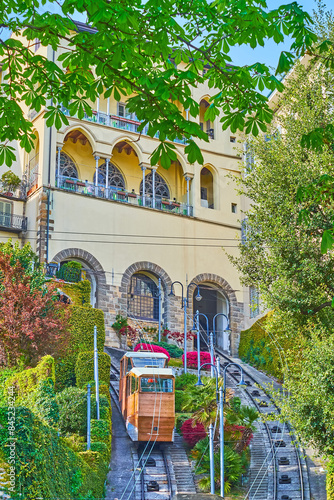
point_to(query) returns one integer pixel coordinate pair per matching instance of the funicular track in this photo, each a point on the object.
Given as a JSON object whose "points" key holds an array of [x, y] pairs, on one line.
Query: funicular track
{"points": [[284, 462]]}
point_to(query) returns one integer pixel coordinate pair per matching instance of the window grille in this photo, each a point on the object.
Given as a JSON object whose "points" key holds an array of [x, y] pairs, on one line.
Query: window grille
{"points": [[143, 298], [254, 302], [67, 167], [161, 188], [115, 178]]}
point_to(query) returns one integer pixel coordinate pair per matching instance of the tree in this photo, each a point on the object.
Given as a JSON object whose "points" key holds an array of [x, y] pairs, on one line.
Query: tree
{"points": [[151, 52], [32, 320], [280, 254]]}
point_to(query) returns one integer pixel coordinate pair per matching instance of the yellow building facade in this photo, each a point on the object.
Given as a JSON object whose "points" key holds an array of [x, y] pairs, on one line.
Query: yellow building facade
{"points": [[92, 196]]}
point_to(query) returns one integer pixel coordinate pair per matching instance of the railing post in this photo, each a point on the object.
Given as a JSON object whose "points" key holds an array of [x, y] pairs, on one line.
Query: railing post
{"points": [[188, 194]]}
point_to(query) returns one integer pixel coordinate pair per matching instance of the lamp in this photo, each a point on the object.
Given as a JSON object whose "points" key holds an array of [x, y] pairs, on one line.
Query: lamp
{"points": [[198, 296], [199, 381]]}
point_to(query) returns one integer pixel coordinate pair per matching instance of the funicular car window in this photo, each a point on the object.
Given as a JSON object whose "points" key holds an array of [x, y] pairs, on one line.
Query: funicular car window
{"points": [[129, 365], [141, 362], [156, 384], [134, 384]]}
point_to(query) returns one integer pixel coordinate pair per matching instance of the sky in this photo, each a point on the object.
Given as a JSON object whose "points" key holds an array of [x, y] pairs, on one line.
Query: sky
{"points": [[269, 54]]}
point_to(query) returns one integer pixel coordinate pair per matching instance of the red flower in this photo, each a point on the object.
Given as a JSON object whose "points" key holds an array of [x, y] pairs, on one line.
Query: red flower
{"points": [[192, 432], [192, 359], [151, 348]]}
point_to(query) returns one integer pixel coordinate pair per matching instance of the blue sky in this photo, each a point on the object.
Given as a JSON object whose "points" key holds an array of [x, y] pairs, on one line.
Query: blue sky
{"points": [[270, 53]]}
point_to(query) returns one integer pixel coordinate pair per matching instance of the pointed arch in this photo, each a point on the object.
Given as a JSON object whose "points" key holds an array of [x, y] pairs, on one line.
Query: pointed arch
{"points": [[115, 176], [87, 133], [134, 145], [161, 186]]}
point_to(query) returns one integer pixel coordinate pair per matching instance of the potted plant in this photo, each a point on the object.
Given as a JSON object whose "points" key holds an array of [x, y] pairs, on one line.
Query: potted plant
{"points": [[132, 194], [10, 182]]}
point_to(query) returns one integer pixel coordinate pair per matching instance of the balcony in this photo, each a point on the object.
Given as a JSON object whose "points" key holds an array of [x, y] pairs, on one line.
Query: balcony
{"points": [[119, 195], [118, 122], [12, 222]]}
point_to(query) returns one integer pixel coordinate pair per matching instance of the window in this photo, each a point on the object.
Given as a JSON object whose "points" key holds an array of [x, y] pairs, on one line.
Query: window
{"points": [[248, 158], [124, 113], [254, 302], [205, 125], [234, 208], [206, 188], [233, 139], [143, 298], [67, 167], [161, 188], [156, 384], [134, 385], [115, 178], [142, 362], [5, 214]]}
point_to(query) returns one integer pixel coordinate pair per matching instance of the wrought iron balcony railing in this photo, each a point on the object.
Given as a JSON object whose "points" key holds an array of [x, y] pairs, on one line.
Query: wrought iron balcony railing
{"points": [[13, 222], [118, 194], [119, 122]]}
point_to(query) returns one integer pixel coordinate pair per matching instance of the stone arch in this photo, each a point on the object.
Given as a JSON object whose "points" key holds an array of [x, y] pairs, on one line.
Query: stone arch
{"points": [[91, 138], [92, 263], [155, 270], [135, 146], [235, 307]]}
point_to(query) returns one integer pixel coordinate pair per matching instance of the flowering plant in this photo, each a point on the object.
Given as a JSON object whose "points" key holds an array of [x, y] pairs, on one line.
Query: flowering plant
{"points": [[151, 348], [192, 359], [192, 431], [129, 332], [178, 337]]}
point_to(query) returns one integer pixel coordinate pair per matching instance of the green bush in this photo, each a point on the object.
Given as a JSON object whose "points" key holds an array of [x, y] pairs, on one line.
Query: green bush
{"points": [[84, 368], [178, 401], [25, 382], [185, 380], [100, 431], [330, 479], [78, 292], [5, 373], [101, 448], [180, 419], [43, 403], [45, 466], [82, 322], [75, 442], [175, 362]]}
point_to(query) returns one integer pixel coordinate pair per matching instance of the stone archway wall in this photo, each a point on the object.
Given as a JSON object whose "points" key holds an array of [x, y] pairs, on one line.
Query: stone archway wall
{"points": [[99, 274], [145, 266], [236, 308]]}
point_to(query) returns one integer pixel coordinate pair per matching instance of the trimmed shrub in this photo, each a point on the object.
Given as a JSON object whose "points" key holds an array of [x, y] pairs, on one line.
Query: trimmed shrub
{"points": [[192, 432], [192, 359], [104, 391], [330, 479], [72, 403], [151, 348], [75, 442], [100, 432], [78, 292], [5, 373], [175, 362], [102, 449], [25, 382], [82, 322], [84, 368], [45, 467], [43, 403]]}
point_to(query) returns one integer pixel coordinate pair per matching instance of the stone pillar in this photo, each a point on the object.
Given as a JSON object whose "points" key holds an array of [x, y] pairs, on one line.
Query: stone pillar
{"points": [[59, 148], [107, 178], [153, 186], [143, 167], [96, 174]]}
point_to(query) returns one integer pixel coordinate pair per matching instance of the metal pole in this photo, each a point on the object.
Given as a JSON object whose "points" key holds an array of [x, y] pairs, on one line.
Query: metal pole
{"points": [[160, 310], [153, 187], [188, 206], [198, 344], [211, 354], [88, 417], [212, 465], [108, 111], [58, 166], [96, 174], [185, 332], [96, 375], [218, 366], [221, 436]]}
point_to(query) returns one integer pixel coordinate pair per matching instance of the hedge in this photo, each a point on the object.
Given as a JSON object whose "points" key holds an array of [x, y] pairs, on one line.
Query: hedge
{"points": [[45, 466], [100, 431], [82, 322], [330, 479], [178, 401], [173, 350], [84, 368], [25, 382], [78, 292]]}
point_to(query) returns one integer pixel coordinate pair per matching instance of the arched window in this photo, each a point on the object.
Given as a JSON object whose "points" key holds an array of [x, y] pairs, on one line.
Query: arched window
{"points": [[206, 125], [206, 188], [161, 188], [115, 178], [143, 298], [67, 167]]}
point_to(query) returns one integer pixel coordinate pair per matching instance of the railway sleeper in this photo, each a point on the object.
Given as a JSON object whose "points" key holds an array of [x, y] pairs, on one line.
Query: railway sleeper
{"points": [[280, 443], [283, 461], [284, 479], [285, 497]]}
